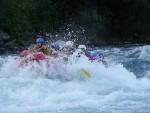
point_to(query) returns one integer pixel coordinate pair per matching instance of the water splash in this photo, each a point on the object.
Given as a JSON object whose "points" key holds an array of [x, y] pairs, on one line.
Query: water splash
{"points": [[113, 89]]}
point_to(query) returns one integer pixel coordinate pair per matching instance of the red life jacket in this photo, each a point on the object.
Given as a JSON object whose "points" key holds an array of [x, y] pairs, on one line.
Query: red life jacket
{"points": [[89, 56]]}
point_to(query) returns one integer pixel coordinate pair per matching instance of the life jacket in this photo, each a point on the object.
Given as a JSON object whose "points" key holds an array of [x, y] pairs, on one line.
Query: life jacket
{"points": [[45, 49], [89, 56]]}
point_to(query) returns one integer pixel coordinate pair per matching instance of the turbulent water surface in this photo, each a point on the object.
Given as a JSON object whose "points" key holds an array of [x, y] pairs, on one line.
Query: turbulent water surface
{"points": [[124, 87]]}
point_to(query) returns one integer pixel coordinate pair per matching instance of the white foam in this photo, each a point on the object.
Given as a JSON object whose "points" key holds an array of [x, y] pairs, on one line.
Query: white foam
{"points": [[145, 52], [108, 89]]}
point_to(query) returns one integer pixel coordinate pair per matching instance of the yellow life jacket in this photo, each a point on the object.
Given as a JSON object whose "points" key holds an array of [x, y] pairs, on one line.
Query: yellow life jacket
{"points": [[46, 49]]}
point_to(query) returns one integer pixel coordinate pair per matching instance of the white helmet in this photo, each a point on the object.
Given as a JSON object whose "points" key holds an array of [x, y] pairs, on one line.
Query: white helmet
{"points": [[69, 43], [82, 47]]}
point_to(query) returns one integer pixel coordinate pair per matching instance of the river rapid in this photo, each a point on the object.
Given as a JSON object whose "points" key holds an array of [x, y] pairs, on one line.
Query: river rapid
{"points": [[123, 87]]}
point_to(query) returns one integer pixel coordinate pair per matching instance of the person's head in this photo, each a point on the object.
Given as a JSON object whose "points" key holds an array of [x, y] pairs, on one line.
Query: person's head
{"points": [[69, 44], [83, 47], [40, 42], [55, 45]]}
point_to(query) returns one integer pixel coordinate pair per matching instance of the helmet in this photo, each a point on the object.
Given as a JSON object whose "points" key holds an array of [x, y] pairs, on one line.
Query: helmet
{"points": [[40, 40], [56, 45], [82, 47], [69, 43], [93, 55]]}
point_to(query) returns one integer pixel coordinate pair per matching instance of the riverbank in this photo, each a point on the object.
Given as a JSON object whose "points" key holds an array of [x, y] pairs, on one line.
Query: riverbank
{"points": [[9, 45], [115, 40]]}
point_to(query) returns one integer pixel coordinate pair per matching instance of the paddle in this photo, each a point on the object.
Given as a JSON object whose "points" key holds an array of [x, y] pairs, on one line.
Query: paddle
{"points": [[86, 73]]}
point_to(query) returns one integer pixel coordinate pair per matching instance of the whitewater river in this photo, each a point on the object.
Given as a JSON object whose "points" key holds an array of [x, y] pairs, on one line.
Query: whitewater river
{"points": [[124, 87]]}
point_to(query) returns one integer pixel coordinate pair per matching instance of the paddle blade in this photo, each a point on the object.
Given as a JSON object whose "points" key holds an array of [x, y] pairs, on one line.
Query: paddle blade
{"points": [[86, 73]]}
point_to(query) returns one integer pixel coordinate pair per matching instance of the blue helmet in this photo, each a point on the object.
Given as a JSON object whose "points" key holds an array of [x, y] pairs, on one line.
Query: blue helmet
{"points": [[56, 45], [94, 55], [40, 40]]}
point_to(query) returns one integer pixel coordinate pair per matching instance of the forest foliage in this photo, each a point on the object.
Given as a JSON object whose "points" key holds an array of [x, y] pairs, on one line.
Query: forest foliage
{"points": [[105, 17]]}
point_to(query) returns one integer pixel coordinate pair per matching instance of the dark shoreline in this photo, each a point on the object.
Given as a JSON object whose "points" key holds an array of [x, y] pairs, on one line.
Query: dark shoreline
{"points": [[14, 46], [103, 44], [119, 44]]}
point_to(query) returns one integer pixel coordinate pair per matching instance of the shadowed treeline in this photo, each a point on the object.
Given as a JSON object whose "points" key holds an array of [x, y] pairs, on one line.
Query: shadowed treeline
{"points": [[128, 19]]}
